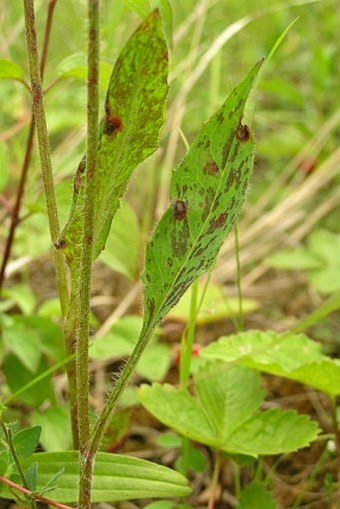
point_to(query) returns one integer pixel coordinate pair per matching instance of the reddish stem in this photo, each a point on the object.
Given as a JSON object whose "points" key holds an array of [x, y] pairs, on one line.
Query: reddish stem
{"points": [[32, 495], [29, 145]]}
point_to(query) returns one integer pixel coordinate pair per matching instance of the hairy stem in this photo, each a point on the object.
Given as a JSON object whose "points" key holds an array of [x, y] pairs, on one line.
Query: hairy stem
{"points": [[82, 344], [28, 152], [44, 149], [106, 414]]}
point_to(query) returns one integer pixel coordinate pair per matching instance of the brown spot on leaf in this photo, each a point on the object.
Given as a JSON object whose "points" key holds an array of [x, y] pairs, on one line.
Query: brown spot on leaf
{"points": [[210, 168], [165, 56], [180, 210], [219, 221], [243, 133], [113, 125]]}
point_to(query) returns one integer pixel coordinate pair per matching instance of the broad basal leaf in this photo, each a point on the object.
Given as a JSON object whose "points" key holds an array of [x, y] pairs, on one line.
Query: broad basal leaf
{"points": [[293, 356], [207, 193], [116, 477], [134, 112], [225, 413]]}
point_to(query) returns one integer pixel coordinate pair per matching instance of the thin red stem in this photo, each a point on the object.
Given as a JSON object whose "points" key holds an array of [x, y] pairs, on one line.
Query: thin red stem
{"points": [[33, 495], [29, 145]]}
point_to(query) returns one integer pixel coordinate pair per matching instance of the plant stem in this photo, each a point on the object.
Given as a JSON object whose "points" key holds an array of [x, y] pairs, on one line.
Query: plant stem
{"points": [[106, 414], [188, 338], [239, 288], [214, 481], [26, 491], [44, 149], [82, 344], [27, 159]]}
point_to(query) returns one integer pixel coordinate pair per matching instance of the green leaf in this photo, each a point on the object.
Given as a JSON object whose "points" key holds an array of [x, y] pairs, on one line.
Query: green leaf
{"points": [[56, 430], [273, 432], [134, 112], [23, 341], [207, 193], [225, 413], [215, 305], [23, 296], [10, 70], [121, 250], [51, 337], [229, 396], [293, 356], [25, 441], [143, 7], [75, 66], [17, 376], [4, 462], [31, 476], [116, 477], [299, 258], [319, 258], [155, 362], [119, 341], [256, 496], [169, 440]]}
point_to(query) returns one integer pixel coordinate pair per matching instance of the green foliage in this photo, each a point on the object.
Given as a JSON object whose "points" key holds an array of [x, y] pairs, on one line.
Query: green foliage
{"points": [[207, 193], [134, 112], [292, 356], [121, 339], [116, 477], [225, 413], [55, 426], [320, 258], [25, 441], [256, 496], [10, 70], [214, 305], [122, 246], [206, 196]]}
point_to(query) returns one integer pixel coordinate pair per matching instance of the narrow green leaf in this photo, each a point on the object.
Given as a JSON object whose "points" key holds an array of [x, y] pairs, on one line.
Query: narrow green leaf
{"points": [[31, 476], [134, 112], [207, 193], [10, 70], [116, 477], [25, 441]]}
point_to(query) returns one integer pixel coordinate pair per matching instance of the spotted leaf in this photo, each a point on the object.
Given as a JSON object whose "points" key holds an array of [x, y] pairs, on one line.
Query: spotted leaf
{"points": [[206, 194], [134, 113]]}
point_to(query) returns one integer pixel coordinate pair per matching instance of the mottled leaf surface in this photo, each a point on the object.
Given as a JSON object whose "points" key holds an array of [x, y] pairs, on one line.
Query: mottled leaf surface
{"points": [[224, 413], [207, 193], [134, 112]]}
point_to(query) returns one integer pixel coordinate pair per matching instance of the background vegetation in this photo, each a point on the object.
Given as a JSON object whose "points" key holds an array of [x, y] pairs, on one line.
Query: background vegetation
{"points": [[288, 240]]}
